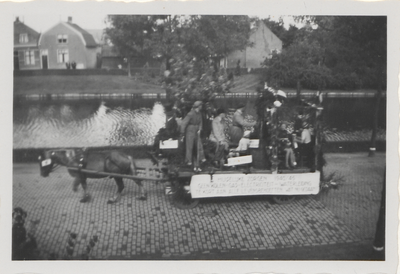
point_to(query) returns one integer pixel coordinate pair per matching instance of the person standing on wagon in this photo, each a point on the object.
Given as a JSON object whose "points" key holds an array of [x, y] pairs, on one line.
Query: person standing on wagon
{"points": [[306, 146], [190, 129], [218, 137], [238, 123]]}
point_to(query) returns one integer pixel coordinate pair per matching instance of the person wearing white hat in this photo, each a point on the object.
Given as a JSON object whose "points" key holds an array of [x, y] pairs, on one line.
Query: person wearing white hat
{"points": [[191, 127]]}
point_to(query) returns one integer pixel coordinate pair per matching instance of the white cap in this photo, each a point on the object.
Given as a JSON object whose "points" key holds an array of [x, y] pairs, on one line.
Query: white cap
{"points": [[281, 93]]}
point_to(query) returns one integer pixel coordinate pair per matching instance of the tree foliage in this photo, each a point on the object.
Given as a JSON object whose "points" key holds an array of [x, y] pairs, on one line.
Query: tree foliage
{"points": [[219, 35], [129, 33], [191, 79], [357, 47], [201, 36], [344, 52], [300, 62], [287, 36], [190, 46]]}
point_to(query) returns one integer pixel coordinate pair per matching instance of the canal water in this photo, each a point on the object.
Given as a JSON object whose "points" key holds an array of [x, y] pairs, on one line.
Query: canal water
{"points": [[135, 121]]}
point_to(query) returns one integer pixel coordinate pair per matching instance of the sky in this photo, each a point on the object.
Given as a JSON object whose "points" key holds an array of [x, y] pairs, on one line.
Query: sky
{"points": [[43, 22]]}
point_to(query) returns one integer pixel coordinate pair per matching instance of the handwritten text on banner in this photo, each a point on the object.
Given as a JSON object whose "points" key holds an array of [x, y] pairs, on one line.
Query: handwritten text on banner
{"points": [[221, 185]]}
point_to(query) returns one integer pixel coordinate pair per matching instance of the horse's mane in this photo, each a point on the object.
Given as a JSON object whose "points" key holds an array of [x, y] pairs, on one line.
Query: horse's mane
{"points": [[71, 154]]}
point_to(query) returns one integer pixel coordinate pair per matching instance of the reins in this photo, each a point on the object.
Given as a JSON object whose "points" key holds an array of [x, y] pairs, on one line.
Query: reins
{"points": [[55, 167]]}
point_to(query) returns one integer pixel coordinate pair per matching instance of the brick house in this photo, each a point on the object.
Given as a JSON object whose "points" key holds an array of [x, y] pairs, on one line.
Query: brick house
{"points": [[264, 43], [67, 42], [26, 51]]}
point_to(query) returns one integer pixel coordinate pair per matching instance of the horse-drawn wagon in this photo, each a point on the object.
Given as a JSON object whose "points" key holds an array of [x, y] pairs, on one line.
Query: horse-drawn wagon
{"points": [[262, 171]]}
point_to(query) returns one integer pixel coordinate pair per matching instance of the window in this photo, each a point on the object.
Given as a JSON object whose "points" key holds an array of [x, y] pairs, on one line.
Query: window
{"points": [[62, 38], [62, 56], [29, 57], [23, 38]]}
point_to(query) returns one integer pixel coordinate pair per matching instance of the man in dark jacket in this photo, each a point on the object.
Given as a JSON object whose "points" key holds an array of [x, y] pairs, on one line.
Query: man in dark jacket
{"points": [[170, 131]]}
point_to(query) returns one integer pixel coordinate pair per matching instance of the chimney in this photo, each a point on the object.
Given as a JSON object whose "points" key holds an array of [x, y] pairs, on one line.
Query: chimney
{"points": [[69, 19], [17, 19]]}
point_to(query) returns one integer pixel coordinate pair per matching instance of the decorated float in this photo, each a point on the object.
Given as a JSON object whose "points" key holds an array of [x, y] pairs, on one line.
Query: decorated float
{"points": [[264, 170]]}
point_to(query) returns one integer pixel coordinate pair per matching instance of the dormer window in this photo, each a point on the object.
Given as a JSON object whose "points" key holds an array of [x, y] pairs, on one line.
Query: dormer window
{"points": [[62, 38], [23, 38]]}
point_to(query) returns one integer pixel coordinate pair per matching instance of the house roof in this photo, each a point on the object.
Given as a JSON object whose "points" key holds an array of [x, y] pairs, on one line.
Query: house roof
{"points": [[260, 24], [86, 37], [98, 35], [20, 27], [89, 40]]}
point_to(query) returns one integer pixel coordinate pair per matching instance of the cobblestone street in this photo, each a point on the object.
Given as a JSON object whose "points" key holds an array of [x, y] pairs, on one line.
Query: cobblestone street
{"points": [[154, 228]]}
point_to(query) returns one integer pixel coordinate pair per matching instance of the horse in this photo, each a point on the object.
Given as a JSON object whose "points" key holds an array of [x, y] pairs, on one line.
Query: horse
{"points": [[97, 161]]}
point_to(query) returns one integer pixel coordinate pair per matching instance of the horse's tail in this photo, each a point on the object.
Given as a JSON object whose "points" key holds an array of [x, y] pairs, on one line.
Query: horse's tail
{"points": [[132, 166]]}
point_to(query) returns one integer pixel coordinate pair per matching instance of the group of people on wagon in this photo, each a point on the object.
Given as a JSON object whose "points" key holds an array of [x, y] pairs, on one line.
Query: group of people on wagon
{"points": [[229, 141], [296, 144]]}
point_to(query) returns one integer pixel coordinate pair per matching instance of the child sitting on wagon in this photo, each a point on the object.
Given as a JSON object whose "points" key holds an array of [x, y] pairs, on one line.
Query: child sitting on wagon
{"points": [[288, 143], [243, 147]]}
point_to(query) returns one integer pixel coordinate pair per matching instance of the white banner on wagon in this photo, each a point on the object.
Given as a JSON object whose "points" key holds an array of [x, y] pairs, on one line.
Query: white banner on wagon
{"points": [[225, 185]]}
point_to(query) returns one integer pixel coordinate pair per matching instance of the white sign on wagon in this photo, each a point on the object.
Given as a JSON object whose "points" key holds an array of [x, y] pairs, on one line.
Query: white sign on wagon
{"points": [[254, 143], [225, 185], [169, 144], [240, 160]]}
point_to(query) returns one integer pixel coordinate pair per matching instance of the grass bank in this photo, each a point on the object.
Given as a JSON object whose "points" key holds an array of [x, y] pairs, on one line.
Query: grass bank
{"points": [[57, 84], [27, 84], [103, 84]]}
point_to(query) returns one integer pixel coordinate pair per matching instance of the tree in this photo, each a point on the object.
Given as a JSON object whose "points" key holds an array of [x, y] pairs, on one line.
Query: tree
{"points": [[364, 39], [298, 65], [197, 43], [164, 36], [287, 36], [166, 39], [345, 52], [223, 34], [355, 49], [128, 34], [191, 80], [351, 51]]}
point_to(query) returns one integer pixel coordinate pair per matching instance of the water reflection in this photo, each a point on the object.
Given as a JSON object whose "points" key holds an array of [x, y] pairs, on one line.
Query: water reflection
{"points": [[66, 125], [135, 122], [91, 123]]}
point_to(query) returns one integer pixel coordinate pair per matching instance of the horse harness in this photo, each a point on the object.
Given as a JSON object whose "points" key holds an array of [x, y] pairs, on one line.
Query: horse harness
{"points": [[82, 158]]}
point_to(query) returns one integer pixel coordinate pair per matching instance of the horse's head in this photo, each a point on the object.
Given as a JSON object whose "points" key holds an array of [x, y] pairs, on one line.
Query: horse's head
{"points": [[50, 159], [46, 163]]}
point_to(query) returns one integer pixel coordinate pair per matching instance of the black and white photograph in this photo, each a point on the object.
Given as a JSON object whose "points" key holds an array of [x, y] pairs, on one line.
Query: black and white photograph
{"points": [[178, 138]]}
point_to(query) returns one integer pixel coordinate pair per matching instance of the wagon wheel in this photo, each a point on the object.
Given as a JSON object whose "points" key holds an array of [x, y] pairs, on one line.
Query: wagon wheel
{"points": [[283, 199], [181, 199]]}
